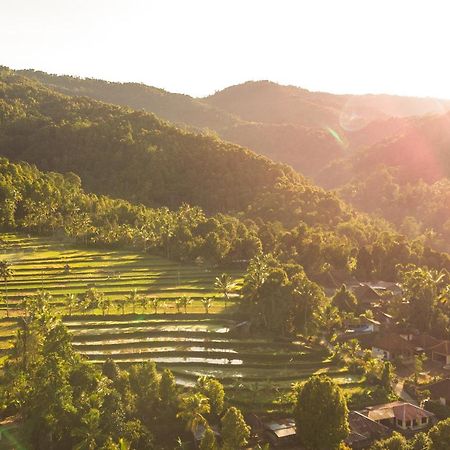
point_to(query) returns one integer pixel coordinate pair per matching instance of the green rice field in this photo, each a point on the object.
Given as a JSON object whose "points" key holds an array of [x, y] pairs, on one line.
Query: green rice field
{"points": [[40, 264], [191, 344]]}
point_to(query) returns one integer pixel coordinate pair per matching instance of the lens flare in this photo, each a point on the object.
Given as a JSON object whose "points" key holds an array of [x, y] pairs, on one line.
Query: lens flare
{"points": [[336, 136]]}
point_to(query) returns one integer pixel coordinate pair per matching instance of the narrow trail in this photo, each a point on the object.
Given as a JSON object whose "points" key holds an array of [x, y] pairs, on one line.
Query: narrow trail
{"points": [[400, 391]]}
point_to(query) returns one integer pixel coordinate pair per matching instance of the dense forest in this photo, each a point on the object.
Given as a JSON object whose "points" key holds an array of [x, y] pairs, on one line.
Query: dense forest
{"points": [[390, 149], [135, 156]]}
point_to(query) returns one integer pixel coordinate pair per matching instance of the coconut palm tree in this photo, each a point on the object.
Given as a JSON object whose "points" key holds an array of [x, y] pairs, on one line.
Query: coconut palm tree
{"points": [[143, 303], [6, 273], [185, 301], [105, 304], [155, 303], [192, 410], [133, 298], [207, 303], [71, 301], [225, 285], [120, 304], [89, 431]]}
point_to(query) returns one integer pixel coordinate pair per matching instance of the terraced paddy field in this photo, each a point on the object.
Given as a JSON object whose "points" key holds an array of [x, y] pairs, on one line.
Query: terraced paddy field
{"points": [[256, 370], [40, 264]]}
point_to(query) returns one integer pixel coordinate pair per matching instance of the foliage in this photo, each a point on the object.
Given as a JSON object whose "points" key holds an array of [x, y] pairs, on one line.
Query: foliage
{"points": [[235, 432], [439, 435], [328, 426], [214, 391]]}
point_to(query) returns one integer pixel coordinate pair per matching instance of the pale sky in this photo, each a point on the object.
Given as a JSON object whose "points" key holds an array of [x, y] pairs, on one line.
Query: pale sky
{"points": [[200, 46]]}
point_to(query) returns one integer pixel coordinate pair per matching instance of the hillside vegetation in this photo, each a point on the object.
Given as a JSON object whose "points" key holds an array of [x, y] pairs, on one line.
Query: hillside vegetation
{"points": [[135, 156], [384, 154]]}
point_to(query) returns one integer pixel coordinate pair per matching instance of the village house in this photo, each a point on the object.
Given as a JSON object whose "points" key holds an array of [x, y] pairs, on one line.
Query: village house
{"points": [[391, 346], [365, 294], [440, 353], [364, 431], [281, 432], [400, 415], [439, 391], [437, 350]]}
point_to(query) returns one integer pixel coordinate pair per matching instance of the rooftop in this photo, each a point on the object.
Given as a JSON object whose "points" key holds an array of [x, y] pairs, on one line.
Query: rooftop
{"points": [[398, 410], [362, 428], [439, 389], [281, 427], [392, 342], [443, 348]]}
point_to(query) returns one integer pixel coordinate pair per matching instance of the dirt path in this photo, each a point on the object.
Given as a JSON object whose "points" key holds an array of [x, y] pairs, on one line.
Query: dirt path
{"points": [[398, 389]]}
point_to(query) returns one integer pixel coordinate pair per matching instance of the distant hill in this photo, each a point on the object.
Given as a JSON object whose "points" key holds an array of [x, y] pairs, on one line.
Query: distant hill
{"points": [[341, 141], [304, 129], [133, 155], [417, 148], [268, 102]]}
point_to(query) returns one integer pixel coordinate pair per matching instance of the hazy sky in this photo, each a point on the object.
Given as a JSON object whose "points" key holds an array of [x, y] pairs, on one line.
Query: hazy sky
{"points": [[199, 46]]}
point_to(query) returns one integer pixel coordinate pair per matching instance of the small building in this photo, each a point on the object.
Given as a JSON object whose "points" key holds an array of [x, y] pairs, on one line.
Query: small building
{"points": [[241, 329], [280, 432], [385, 319], [423, 342], [400, 415], [364, 431], [441, 353], [390, 346], [439, 391], [372, 324], [365, 294]]}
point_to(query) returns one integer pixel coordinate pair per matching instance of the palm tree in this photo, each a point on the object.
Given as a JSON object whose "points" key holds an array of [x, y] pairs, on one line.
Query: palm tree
{"points": [[207, 303], [155, 304], [120, 304], [143, 303], [133, 298], [105, 304], [71, 302], [192, 410], [224, 284], [6, 273], [185, 301], [89, 431]]}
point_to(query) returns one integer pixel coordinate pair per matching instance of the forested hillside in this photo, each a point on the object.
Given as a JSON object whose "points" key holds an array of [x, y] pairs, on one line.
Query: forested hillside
{"points": [[135, 156], [404, 178], [305, 129], [368, 147]]}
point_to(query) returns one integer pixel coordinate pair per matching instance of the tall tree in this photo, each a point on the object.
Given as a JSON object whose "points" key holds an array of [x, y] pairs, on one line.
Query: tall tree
{"points": [[439, 435], [321, 414], [213, 389], [235, 432], [208, 441], [225, 285], [344, 299], [193, 409]]}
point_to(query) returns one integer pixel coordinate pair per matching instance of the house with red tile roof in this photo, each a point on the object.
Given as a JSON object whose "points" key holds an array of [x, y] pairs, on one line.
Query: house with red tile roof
{"points": [[390, 346], [363, 431], [400, 415]]}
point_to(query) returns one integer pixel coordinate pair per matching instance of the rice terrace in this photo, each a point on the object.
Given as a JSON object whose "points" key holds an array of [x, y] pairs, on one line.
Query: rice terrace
{"points": [[161, 310]]}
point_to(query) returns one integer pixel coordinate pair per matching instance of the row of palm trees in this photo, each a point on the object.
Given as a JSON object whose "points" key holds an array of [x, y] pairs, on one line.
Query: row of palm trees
{"points": [[95, 298]]}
